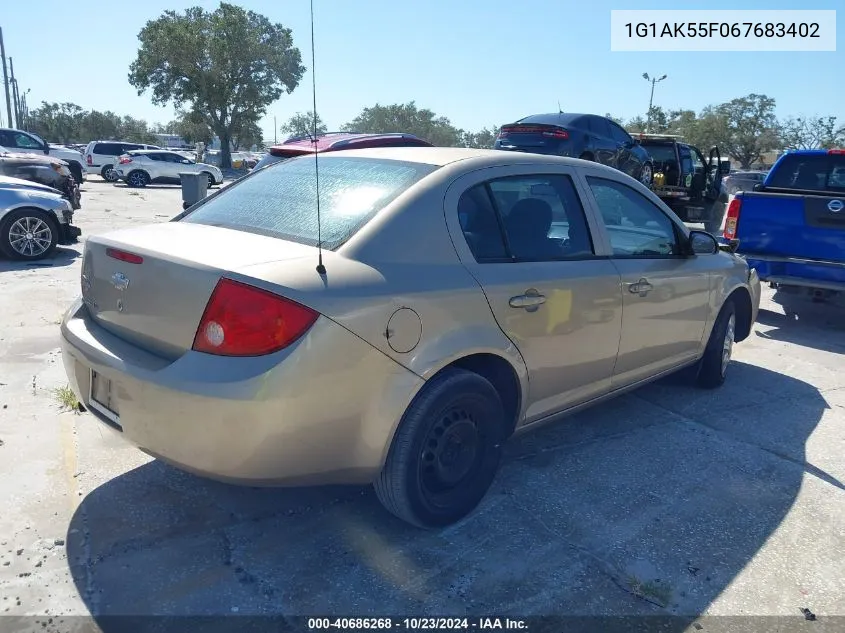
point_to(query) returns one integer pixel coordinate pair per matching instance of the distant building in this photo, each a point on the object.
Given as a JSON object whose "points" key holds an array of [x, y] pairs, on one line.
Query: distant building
{"points": [[171, 140]]}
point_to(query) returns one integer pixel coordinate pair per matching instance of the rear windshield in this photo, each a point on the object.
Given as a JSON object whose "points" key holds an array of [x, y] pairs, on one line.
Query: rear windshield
{"points": [[815, 172], [280, 201], [661, 153]]}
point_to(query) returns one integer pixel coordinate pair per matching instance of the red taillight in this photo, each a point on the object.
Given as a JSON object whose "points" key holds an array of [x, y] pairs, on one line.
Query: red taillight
{"points": [[732, 219], [125, 160], [503, 133], [836, 151], [89, 160], [241, 320], [557, 133], [124, 256]]}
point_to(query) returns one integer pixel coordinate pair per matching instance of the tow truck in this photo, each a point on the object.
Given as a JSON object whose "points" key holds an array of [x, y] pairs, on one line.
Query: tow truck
{"points": [[689, 185]]}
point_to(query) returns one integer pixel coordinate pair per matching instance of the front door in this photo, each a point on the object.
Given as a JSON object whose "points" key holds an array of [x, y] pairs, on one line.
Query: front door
{"points": [[525, 238], [665, 293]]}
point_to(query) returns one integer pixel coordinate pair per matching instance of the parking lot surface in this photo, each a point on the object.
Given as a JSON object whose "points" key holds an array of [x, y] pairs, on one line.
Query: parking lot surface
{"points": [[668, 500]]}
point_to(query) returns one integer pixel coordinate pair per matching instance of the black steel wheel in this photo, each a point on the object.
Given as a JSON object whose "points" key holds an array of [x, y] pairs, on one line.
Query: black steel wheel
{"points": [[446, 451]]}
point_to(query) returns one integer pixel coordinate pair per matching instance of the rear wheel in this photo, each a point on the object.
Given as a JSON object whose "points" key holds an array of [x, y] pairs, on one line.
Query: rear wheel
{"points": [[28, 234], [713, 366], [211, 181], [446, 451], [137, 178], [108, 173]]}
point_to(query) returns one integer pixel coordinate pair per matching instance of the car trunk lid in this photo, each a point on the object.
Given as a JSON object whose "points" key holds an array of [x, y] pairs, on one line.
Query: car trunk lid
{"points": [[532, 137], [150, 285]]}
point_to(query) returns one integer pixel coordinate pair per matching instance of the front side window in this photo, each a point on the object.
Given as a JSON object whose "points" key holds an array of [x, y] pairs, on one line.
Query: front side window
{"points": [[636, 226], [525, 218], [25, 141], [618, 134], [281, 200]]}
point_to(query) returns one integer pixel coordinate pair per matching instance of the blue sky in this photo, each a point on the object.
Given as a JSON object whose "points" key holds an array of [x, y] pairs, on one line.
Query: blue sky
{"points": [[478, 62]]}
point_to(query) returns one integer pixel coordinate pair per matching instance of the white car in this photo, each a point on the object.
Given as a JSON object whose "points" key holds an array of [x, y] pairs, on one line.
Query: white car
{"points": [[141, 167], [100, 156], [20, 142]]}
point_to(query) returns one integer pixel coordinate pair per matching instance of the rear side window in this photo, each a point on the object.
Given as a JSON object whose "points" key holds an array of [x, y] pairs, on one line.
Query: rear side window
{"points": [[281, 201], [525, 218], [818, 172], [107, 149]]}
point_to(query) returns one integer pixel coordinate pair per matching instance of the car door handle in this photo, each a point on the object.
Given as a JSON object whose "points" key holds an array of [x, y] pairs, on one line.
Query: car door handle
{"points": [[527, 301], [641, 287]]}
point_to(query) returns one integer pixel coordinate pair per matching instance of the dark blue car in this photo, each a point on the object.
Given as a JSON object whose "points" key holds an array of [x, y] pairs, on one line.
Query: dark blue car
{"points": [[585, 136]]}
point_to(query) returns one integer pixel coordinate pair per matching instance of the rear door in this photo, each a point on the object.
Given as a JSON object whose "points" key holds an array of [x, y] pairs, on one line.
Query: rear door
{"points": [[624, 159], [523, 234], [603, 146], [665, 294]]}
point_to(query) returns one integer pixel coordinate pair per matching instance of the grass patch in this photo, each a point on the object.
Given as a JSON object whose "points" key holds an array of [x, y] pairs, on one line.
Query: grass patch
{"points": [[66, 398]]}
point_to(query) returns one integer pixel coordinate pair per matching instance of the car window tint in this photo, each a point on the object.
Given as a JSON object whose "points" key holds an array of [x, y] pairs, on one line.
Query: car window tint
{"points": [[809, 171], [617, 133], [636, 226], [542, 217], [481, 226], [280, 201], [599, 126]]}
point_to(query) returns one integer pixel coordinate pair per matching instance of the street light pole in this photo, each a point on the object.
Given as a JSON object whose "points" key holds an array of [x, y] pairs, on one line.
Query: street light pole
{"points": [[653, 81]]}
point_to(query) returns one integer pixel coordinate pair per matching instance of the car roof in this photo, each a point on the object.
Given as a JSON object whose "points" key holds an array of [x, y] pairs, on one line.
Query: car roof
{"points": [[476, 158], [330, 141]]}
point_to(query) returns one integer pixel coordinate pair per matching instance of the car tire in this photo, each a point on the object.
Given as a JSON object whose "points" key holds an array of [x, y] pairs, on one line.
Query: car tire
{"points": [[137, 178], [713, 366], [647, 175], [446, 451], [109, 174], [211, 181], [44, 230]]}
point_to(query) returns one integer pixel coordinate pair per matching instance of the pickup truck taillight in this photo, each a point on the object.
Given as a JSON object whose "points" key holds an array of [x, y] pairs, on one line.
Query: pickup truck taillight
{"points": [[732, 219]]}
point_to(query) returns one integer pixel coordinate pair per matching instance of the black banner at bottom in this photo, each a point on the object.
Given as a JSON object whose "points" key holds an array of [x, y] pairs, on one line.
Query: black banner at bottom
{"points": [[376, 624]]}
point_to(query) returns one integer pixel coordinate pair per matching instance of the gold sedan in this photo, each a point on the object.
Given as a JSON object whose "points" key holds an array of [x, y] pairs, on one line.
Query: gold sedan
{"points": [[445, 299]]}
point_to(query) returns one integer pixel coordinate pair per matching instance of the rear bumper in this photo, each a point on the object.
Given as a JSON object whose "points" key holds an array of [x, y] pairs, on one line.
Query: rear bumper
{"points": [[795, 271], [322, 411]]}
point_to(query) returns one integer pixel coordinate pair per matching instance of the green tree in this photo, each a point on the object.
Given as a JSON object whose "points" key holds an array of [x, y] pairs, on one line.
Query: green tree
{"points": [[229, 65], [744, 128], [193, 127], [247, 134], [482, 139], [57, 122], [409, 119], [810, 133], [302, 124], [100, 126], [136, 131]]}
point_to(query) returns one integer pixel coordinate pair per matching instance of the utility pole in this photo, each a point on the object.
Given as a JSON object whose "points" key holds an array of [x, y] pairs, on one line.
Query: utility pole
{"points": [[6, 80], [653, 81], [14, 93]]}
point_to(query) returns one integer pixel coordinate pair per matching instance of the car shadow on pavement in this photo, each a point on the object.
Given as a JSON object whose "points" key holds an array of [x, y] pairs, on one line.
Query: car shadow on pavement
{"points": [[60, 257], [648, 505], [818, 325]]}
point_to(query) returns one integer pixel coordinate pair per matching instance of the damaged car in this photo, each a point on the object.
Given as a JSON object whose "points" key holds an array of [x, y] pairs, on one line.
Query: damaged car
{"points": [[44, 170], [34, 219]]}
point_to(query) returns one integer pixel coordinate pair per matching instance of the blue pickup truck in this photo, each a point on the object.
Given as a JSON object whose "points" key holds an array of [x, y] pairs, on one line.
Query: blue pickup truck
{"points": [[792, 227]]}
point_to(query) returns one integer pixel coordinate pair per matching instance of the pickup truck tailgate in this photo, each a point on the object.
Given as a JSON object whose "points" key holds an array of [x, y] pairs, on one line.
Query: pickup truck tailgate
{"points": [[792, 225]]}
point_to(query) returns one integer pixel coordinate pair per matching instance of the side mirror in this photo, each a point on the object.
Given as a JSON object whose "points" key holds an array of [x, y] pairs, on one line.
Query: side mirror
{"points": [[703, 243], [758, 187], [725, 167], [46, 148]]}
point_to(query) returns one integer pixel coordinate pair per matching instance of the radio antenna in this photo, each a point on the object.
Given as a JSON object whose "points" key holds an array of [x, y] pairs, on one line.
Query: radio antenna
{"points": [[321, 269]]}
